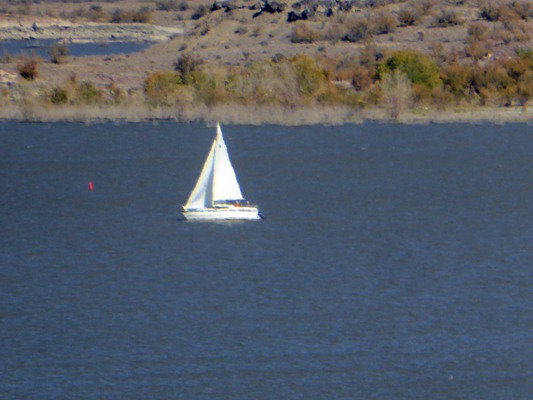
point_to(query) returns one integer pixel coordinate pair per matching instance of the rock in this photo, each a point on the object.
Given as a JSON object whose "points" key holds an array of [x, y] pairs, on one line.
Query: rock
{"points": [[228, 5], [294, 16], [217, 5], [270, 7], [273, 7], [321, 7]]}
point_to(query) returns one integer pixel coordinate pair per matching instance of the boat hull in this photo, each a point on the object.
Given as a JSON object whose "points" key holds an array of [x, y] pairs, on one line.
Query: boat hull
{"points": [[214, 214]]}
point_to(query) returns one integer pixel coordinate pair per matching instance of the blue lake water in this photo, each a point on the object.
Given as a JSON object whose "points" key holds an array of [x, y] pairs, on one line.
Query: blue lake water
{"points": [[395, 263], [41, 47]]}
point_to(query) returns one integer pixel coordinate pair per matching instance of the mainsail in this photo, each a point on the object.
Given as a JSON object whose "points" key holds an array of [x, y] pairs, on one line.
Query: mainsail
{"points": [[217, 181], [225, 185]]}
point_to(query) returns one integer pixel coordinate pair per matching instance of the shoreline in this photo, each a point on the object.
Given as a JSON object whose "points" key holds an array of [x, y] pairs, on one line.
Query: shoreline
{"points": [[249, 115], [89, 32]]}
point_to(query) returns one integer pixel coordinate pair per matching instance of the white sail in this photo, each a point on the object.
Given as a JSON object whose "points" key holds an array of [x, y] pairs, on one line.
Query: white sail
{"points": [[202, 195], [225, 185], [217, 195]]}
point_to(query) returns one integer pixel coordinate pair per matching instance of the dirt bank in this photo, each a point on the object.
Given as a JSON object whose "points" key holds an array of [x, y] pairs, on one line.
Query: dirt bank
{"points": [[60, 29]]}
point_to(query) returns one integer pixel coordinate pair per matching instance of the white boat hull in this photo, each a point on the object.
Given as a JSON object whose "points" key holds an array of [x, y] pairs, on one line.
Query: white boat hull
{"points": [[213, 214]]}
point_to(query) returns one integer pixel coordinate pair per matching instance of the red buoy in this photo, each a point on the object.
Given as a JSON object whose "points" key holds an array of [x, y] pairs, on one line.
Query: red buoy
{"points": [[90, 185]]}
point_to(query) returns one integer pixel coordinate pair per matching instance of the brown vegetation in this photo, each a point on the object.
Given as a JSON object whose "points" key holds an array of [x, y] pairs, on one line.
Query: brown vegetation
{"points": [[389, 56]]}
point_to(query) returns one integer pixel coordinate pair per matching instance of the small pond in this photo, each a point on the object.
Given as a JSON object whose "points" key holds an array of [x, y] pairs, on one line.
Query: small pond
{"points": [[40, 47]]}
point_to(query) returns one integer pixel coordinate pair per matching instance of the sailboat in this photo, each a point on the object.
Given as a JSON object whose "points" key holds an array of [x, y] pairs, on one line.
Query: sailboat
{"points": [[217, 194]]}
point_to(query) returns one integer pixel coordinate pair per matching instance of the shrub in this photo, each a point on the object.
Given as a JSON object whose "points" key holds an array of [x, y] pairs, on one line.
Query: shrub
{"points": [[455, 78], [209, 93], [59, 95], [115, 93], [383, 23], [416, 65], [171, 5], [423, 7], [57, 53], [358, 30], [160, 86], [520, 31], [340, 69], [87, 93], [186, 65], [447, 18], [6, 57], [408, 16], [524, 53], [200, 12], [334, 32], [27, 68], [143, 15], [302, 34], [166, 5], [361, 79], [278, 58], [499, 11], [523, 9], [476, 32], [120, 16], [95, 13], [308, 75], [396, 93]]}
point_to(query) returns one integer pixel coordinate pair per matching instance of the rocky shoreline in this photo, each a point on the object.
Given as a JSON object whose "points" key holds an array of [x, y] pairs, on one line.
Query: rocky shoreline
{"points": [[89, 32]]}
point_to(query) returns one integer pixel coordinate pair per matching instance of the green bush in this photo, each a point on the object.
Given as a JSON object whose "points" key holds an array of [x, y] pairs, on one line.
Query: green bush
{"points": [[308, 75], [59, 95], [416, 65], [524, 53], [160, 86], [208, 92], [186, 65], [88, 93]]}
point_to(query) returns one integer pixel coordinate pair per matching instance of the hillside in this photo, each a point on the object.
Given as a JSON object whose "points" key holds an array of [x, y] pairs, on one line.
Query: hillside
{"points": [[351, 42]]}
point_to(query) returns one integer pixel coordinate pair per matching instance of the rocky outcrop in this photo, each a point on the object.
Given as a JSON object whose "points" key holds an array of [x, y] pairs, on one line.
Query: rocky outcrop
{"points": [[270, 7], [308, 8], [267, 6], [228, 5]]}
